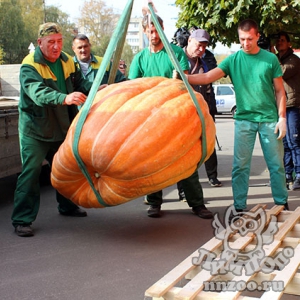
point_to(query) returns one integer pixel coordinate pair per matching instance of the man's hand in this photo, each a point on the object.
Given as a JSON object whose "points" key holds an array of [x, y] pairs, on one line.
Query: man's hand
{"points": [[281, 127], [102, 86], [76, 98]]}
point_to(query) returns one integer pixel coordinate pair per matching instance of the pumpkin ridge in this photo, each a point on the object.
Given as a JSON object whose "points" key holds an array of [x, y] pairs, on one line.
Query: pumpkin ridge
{"points": [[133, 135], [178, 136], [141, 99]]}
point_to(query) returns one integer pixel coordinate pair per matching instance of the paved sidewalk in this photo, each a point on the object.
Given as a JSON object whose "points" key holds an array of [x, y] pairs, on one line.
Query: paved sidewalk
{"points": [[115, 253]]}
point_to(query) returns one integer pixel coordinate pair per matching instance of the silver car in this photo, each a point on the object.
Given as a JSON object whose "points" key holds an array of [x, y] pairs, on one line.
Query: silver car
{"points": [[225, 98]]}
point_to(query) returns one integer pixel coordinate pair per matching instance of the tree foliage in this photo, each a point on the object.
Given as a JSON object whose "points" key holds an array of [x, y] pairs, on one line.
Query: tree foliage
{"points": [[220, 17], [1, 56], [12, 33], [97, 20], [20, 20]]}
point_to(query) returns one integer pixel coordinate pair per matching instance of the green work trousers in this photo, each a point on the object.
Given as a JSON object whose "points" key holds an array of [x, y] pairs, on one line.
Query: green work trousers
{"points": [[27, 193], [245, 133], [192, 189]]}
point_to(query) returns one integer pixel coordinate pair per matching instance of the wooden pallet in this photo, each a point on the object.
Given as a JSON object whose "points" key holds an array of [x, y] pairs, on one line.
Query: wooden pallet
{"points": [[186, 280]]}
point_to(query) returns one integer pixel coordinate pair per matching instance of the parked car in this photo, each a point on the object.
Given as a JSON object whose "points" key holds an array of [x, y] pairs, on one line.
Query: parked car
{"points": [[225, 98]]}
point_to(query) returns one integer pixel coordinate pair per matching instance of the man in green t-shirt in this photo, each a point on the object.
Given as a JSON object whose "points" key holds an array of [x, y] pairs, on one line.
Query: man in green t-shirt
{"points": [[154, 61], [261, 109]]}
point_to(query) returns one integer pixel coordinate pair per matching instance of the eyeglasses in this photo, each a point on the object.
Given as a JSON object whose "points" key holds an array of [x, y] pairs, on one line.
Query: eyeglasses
{"points": [[122, 66]]}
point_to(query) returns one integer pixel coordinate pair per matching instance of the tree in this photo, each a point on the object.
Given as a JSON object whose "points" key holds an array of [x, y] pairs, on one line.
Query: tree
{"points": [[32, 15], [12, 33], [220, 18], [97, 20], [127, 55], [102, 45], [1, 56], [35, 13]]}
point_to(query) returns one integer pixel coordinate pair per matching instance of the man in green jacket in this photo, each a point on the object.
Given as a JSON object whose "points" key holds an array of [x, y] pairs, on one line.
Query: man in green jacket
{"points": [[51, 89], [89, 63]]}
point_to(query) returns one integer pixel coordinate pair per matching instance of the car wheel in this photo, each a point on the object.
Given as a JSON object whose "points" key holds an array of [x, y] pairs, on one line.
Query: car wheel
{"points": [[233, 111]]}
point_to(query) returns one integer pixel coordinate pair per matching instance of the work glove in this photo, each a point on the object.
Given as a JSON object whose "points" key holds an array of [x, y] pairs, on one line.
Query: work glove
{"points": [[281, 127], [176, 75]]}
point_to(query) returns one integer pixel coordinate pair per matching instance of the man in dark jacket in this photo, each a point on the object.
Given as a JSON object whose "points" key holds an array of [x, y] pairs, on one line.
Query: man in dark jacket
{"points": [[48, 104], [290, 65], [202, 60]]}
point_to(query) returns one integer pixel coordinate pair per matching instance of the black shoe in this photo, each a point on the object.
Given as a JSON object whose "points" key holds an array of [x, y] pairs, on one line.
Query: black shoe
{"points": [[296, 184], [286, 206], [24, 230], [78, 212], [154, 211], [202, 212], [214, 182]]}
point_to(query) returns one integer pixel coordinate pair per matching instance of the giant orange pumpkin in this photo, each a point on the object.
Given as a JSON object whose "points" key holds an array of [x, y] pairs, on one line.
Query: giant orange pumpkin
{"points": [[139, 137]]}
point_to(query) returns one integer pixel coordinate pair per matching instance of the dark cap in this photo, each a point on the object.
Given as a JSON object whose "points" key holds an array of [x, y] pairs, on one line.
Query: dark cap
{"points": [[200, 35], [48, 29]]}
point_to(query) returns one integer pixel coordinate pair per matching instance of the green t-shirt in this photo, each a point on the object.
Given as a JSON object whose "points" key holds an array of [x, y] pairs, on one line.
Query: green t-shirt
{"points": [[149, 64], [57, 70], [252, 76]]}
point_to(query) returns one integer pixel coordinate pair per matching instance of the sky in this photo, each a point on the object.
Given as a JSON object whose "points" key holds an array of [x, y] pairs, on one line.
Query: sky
{"points": [[166, 11]]}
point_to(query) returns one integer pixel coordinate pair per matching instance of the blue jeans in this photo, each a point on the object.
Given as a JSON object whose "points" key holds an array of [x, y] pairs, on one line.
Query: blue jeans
{"points": [[244, 139], [291, 142]]}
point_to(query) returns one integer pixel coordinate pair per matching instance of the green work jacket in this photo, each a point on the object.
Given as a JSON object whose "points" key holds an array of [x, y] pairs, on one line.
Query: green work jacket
{"points": [[41, 113], [93, 69]]}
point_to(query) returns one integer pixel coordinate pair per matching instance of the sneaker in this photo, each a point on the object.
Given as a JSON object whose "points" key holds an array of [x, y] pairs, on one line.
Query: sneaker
{"points": [[24, 230], [145, 200], [154, 211], [78, 212], [214, 182], [289, 183], [202, 212], [296, 184], [181, 195]]}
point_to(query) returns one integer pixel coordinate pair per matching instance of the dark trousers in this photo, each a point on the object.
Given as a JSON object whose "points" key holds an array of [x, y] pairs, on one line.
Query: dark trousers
{"points": [[192, 189], [291, 142], [211, 166], [27, 193]]}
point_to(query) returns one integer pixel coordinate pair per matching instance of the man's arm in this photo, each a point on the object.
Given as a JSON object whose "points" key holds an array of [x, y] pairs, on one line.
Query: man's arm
{"points": [[280, 96], [206, 78], [281, 107]]}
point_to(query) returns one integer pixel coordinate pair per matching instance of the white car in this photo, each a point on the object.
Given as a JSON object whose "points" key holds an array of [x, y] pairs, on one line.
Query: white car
{"points": [[225, 98]]}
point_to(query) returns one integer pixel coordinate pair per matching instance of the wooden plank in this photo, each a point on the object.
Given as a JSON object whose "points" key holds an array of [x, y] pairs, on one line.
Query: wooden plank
{"points": [[269, 249], [169, 280], [196, 285], [288, 224], [286, 276], [288, 235]]}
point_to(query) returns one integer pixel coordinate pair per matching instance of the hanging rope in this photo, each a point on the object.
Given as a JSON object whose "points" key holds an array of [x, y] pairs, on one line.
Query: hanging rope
{"points": [[117, 42], [176, 64], [119, 32]]}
